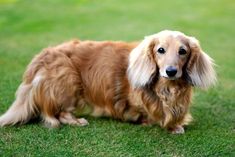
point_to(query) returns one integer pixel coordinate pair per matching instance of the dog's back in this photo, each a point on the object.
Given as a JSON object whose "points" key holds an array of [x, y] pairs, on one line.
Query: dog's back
{"points": [[60, 76]]}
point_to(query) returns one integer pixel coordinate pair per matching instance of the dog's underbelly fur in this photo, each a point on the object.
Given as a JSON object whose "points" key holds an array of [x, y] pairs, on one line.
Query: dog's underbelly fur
{"points": [[167, 106]]}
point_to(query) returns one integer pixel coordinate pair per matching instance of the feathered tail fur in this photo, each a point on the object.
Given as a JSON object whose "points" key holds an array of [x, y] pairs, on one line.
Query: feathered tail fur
{"points": [[22, 109]]}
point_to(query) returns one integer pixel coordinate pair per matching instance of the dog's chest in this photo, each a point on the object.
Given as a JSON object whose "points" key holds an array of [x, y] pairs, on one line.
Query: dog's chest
{"points": [[169, 94]]}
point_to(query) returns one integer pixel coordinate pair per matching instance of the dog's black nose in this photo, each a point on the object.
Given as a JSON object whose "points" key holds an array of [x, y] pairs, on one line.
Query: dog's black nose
{"points": [[171, 71]]}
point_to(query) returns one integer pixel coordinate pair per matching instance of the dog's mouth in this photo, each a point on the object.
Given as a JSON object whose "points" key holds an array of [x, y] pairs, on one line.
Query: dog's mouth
{"points": [[170, 78]]}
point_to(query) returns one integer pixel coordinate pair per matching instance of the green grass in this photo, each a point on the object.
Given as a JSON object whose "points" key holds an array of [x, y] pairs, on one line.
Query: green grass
{"points": [[27, 26]]}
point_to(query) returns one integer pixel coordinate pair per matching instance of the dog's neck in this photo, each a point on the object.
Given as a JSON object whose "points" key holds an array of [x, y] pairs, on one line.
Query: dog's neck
{"points": [[161, 87]]}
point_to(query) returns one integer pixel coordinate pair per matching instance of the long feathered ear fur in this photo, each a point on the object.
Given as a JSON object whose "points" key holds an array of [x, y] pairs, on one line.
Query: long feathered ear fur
{"points": [[200, 67], [142, 64]]}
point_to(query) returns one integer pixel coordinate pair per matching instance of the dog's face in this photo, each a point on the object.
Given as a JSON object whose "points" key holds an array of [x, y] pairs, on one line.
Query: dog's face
{"points": [[171, 52], [171, 55]]}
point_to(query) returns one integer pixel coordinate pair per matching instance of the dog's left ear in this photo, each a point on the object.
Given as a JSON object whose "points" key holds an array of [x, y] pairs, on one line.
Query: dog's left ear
{"points": [[142, 65], [200, 67]]}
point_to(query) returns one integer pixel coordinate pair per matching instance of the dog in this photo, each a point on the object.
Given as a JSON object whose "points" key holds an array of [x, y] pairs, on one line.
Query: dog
{"points": [[149, 82]]}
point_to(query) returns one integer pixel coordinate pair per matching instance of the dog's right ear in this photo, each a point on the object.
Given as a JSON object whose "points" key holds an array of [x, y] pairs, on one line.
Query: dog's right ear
{"points": [[142, 65]]}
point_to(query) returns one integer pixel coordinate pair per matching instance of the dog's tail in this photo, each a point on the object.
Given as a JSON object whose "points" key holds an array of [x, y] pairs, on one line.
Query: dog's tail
{"points": [[23, 108]]}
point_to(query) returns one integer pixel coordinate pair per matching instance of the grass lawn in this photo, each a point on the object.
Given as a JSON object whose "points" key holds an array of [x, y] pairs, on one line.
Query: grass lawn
{"points": [[27, 26]]}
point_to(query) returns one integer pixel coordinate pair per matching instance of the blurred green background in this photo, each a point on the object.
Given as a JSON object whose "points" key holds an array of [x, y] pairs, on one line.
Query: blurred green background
{"points": [[27, 26]]}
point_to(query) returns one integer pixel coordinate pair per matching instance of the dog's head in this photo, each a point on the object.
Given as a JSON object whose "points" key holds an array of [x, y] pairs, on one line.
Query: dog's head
{"points": [[172, 55]]}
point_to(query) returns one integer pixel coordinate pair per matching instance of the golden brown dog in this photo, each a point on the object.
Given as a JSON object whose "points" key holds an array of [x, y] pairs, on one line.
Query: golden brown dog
{"points": [[149, 82]]}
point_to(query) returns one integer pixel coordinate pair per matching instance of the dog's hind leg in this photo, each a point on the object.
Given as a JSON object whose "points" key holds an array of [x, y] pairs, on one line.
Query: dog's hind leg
{"points": [[68, 118], [51, 121]]}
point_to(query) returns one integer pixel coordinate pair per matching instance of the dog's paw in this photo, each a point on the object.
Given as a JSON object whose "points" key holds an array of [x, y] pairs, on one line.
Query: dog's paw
{"points": [[82, 122], [177, 130]]}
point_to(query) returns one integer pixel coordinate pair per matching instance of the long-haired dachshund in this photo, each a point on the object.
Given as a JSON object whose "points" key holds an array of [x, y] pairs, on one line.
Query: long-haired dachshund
{"points": [[148, 82]]}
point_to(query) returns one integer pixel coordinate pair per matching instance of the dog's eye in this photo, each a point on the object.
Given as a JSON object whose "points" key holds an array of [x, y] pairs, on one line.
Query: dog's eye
{"points": [[161, 50], [182, 51]]}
